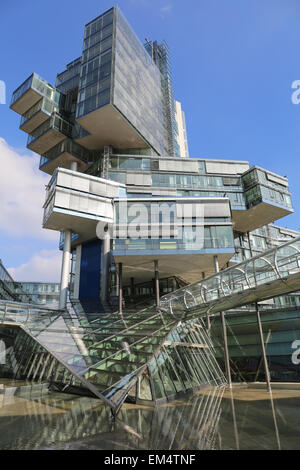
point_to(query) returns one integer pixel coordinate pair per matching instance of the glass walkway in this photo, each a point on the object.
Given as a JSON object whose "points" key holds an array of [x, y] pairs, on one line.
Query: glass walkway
{"points": [[154, 354], [270, 274]]}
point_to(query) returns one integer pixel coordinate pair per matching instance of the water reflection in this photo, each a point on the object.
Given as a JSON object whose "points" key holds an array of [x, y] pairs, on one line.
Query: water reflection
{"points": [[215, 418]]}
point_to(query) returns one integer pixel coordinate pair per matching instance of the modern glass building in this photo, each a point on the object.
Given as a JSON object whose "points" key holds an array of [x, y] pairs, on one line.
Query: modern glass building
{"points": [[10, 289], [154, 245], [35, 292], [41, 292]]}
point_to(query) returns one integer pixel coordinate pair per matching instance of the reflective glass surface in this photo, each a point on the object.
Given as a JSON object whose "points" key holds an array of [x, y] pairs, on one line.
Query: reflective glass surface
{"points": [[259, 187], [96, 65], [106, 353], [213, 419], [54, 122], [137, 86], [281, 329]]}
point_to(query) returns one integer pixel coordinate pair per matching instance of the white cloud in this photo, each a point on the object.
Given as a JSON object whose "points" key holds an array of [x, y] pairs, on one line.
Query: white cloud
{"points": [[44, 266], [22, 193]]}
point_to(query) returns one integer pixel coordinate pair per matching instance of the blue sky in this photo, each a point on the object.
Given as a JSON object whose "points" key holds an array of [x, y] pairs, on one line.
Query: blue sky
{"points": [[233, 65]]}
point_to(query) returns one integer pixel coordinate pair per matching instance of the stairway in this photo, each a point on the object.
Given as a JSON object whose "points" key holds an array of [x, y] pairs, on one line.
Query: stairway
{"points": [[166, 349]]}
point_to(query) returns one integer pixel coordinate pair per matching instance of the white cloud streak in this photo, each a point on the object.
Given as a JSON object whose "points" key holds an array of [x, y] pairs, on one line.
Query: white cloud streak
{"points": [[44, 266], [22, 195]]}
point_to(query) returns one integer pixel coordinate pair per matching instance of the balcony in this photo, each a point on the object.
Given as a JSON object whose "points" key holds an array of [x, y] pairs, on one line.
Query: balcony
{"points": [[267, 199], [78, 202], [30, 92], [63, 154], [50, 133], [37, 115]]}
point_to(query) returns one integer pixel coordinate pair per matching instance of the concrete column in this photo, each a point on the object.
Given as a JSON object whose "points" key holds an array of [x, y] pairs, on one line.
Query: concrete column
{"points": [[157, 299], [74, 166], [105, 250], [117, 282], [120, 288], [216, 261], [65, 270], [249, 243], [226, 353], [77, 272], [262, 344], [153, 285], [207, 315], [132, 288]]}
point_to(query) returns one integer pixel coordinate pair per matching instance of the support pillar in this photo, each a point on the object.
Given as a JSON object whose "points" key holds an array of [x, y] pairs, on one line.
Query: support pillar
{"points": [[74, 166], [249, 243], [157, 299], [117, 284], [216, 262], [105, 251], [132, 287], [120, 288], [226, 353], [261, 337], [224, 332], [65, 270]]}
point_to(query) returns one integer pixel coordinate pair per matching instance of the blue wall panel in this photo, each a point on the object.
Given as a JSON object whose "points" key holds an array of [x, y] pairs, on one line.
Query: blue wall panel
{"points": [[90, 266]]}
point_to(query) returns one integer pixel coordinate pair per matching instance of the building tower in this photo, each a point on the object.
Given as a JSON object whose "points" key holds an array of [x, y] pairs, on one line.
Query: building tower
{"points": [[112, 137], [136, 219]]}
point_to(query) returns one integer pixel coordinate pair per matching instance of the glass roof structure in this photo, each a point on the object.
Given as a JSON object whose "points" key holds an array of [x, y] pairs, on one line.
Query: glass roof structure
{"points": [[162, 351]]}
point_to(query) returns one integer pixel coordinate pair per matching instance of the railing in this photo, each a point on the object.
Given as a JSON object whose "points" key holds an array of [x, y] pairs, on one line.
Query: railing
{"points": [[21, 89], [19, 312], [71, 147], [54, 122], [256, 276], [38, 84], [45, 105]]}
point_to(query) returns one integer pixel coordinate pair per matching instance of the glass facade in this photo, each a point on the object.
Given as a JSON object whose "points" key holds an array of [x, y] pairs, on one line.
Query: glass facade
{"points": [[215, 237], [281, 327], [161, 57], [9, 289], [37, 84], [6, 284], [44, 105], [260, 186], [96, 65], [137, 86], [41, 292], [183, 363], [56, 123], [187, 185], [71, 147], [69, 79], [108, 354]]}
